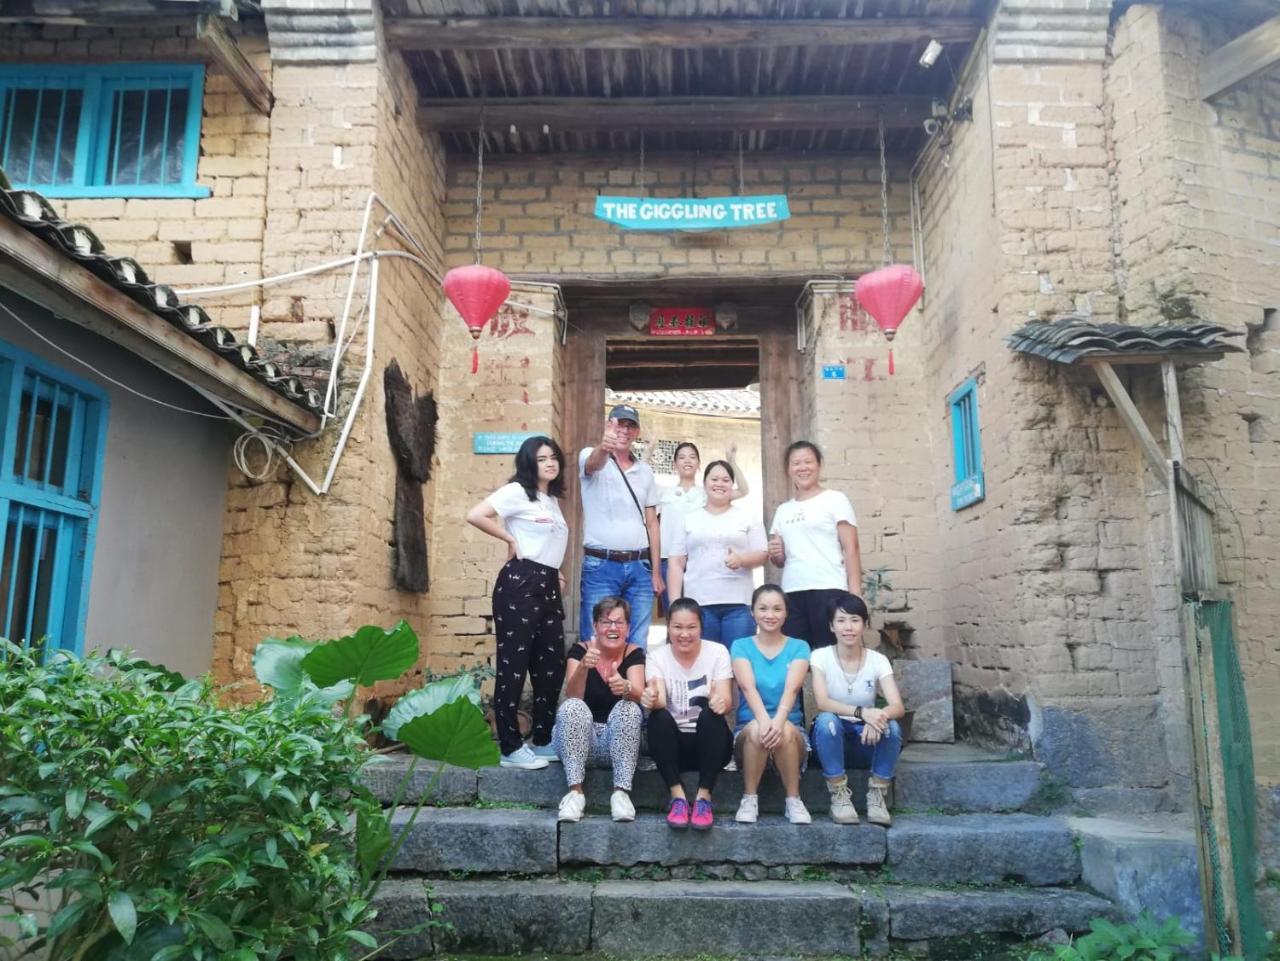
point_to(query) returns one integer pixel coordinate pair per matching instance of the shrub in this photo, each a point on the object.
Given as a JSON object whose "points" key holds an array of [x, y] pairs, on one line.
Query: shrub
{"points": [[1144, 940], [155, 824]]}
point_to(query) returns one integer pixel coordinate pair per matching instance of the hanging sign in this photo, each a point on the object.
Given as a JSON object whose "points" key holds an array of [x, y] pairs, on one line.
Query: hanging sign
{"points": [[682, 321], [485, 442], [695, 213]]}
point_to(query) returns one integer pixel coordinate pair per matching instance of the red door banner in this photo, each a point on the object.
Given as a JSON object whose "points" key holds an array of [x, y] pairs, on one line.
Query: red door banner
{"points": [[682, 321]]}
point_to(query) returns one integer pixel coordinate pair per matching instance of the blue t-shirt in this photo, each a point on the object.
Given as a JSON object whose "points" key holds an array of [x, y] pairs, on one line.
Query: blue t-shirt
{"points": [[771, 677]]}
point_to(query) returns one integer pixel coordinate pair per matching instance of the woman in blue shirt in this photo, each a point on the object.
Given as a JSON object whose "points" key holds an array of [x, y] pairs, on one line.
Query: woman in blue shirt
{"points": [[770, 669]]}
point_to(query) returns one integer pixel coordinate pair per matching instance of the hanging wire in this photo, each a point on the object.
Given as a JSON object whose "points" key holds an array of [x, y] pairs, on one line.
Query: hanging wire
{"points": [[741, 189], [479, 182], [884, 194]]}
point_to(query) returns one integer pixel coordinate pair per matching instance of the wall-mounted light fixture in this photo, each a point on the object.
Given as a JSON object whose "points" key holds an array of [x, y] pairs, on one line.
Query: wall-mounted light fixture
{"points": [[931, 54]]}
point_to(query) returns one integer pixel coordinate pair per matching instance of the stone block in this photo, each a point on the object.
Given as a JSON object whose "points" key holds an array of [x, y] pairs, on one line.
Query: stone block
{"points": [[1105, 746], [970, 786], [506, 785], [919, 913], [1143, 864], [926, 690], [456, 785], [481, 841], [762, 918], [513, 917], [402, 905], [982, 848], [772, 841]]}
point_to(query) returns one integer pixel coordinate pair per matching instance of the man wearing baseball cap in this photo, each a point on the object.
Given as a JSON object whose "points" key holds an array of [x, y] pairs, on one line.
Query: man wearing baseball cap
{"points": [[619, 526]]}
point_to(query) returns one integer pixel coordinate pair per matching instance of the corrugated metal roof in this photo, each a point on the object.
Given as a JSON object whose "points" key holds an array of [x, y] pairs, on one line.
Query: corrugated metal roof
{"points": [[1071, 339], [721, 403], [32, 211]]}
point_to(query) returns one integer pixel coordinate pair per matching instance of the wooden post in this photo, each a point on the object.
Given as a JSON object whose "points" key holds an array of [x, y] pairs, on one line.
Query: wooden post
{"points": [[226, 53], [1129, 413], [1172, 411]]}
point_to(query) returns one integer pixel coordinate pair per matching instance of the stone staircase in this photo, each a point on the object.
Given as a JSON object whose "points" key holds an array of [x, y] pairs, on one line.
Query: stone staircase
{"points": [[967, 855]]}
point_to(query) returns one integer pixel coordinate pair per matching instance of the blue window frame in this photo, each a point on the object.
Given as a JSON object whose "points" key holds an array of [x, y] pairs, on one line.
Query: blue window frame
{"points": [[52, 439], [119, 130], [966, 446]]}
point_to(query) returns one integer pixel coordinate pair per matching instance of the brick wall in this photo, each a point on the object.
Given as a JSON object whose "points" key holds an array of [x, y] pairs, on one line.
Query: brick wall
{"points": [[184, 243]]}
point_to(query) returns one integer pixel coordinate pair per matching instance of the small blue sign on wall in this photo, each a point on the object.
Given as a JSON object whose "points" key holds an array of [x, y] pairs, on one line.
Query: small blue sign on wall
{"points": [[484, 442], [833, 372], [692, 213]]}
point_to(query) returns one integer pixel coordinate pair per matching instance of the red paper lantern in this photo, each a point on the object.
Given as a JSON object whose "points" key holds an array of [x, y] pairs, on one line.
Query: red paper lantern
{"points": [[888, 294], [477, 292]]}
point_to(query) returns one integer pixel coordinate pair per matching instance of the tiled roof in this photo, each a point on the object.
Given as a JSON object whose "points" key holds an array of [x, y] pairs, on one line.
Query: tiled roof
{"points": [[724, 403], [32, 211], [1072, 339]]}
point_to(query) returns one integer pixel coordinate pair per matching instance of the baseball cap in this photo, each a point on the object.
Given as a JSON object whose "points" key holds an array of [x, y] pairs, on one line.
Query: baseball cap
{"points": [[624, 412]]}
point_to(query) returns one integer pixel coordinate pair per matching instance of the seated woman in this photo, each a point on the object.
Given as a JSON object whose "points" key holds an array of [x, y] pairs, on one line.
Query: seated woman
{"points": [[599, 718], [689, 693], [851, 730], [770, 669]]}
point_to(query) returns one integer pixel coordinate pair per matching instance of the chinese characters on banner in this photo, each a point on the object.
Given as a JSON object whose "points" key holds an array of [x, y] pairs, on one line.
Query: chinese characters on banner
{"points": [[682, 322]]}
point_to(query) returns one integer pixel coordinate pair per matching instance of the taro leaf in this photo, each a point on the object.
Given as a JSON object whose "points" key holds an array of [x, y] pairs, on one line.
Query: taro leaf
{"points": [[370, 654], [123, 915], [278, 664], [428, 699], [455, 733], [373, 840]]}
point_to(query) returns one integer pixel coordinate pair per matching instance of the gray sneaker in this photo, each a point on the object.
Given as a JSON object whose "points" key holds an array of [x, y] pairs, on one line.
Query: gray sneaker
{"points": [[523, 758], [546, 752]]}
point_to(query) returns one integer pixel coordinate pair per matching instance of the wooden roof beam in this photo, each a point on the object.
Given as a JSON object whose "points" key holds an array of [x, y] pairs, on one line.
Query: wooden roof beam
{"points": [[630, 33], [559, 114], [1244, 57], [222, 49]]}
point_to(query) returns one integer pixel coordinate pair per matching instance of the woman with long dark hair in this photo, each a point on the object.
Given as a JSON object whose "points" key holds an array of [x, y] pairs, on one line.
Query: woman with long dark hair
{"points": [[528, 610]]}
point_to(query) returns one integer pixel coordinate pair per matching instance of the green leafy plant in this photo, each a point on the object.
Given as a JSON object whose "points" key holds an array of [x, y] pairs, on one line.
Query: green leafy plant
{"points": [[1144, 940], [874, 584], [141, 820]]}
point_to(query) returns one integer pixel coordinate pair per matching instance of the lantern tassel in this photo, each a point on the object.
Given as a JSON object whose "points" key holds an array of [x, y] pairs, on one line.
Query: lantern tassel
{"points": [[475, 359], [890, 361]]}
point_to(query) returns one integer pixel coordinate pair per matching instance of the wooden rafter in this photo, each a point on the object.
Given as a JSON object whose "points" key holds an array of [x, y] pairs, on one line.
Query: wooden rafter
{"points": [[1133, 420], [223, 50], [559, 114], [1240, 59], [629, 33]]}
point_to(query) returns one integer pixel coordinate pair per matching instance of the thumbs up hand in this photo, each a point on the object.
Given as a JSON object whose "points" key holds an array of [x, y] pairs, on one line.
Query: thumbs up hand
{"points": [[732, 560], [649, 697]]}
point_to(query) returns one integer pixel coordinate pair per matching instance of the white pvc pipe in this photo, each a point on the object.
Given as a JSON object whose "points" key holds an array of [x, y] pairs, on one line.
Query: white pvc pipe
{"points": [[364, 380]]}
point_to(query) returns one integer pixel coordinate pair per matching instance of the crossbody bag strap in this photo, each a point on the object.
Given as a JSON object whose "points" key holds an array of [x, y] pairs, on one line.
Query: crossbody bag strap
{"points": [[635, 500]]}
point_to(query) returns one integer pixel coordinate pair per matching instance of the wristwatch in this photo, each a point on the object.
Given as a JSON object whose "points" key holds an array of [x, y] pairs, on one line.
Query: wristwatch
{"points": [[857, 714]]}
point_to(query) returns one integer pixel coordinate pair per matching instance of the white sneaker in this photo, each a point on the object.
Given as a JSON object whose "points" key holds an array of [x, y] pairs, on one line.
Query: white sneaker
{"points": [[546, 752], [620, 806], [797, 813], [571, 806], [748, 809], [731, 765], [524, 759]]}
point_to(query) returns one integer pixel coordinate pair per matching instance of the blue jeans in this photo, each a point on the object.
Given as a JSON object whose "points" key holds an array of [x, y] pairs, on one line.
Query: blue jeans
{"points": [[665, 596], [630, 580], [727, 622], [838, 742]]}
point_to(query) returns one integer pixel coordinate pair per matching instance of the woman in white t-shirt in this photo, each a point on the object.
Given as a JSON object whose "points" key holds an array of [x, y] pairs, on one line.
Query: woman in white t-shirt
{"points": [[814, 539], [675, 503], [689, 693], [712, 557], [528, 610], [849, 729]]}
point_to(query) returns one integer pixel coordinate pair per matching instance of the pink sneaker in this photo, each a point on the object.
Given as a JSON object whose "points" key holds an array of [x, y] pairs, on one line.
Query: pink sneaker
{"points": [[678, 813], [702, 817]]}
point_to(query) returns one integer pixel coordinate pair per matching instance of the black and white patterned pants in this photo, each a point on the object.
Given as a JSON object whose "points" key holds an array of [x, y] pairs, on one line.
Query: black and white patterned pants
{"points": [[580, 740], [528, 616]]}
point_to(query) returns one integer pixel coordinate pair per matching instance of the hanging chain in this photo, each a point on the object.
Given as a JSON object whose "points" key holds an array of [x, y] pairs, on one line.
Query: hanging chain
{"points": [[479, 183], [642, 163], [741, 189], [884, 196]]}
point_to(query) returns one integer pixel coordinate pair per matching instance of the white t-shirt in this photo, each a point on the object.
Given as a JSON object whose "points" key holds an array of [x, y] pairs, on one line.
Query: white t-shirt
{"points": [[808, 531], [856, 689], [688, 689], [609, 516], [705, 539], [674, 505], [538, 526]]}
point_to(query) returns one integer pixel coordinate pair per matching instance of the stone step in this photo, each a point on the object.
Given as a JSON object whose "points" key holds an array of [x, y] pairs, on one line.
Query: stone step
{"points": [[949, 849], [930, 777], [686, 918]]}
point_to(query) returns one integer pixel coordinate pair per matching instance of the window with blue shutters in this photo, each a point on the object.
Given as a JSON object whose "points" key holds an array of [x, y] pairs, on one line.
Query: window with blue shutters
{"points": [[121, 130], [966, 444], [52, 438]]}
